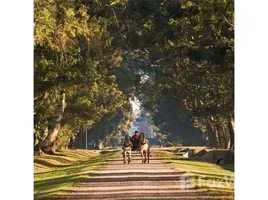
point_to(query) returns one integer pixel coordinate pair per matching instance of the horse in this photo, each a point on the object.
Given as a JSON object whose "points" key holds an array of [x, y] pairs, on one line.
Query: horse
{"points": [[127, 147], [144, 148]]}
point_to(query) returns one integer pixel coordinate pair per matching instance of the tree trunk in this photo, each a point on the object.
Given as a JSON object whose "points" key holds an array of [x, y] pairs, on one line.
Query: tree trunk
{"points": [[231, 132], [221, 136], [48, 144], [216, 132], [38, 147], [225, 135], [212, 140]]}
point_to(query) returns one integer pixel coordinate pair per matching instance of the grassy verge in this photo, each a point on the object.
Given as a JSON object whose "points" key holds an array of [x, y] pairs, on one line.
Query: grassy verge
{"points": [[202, 175], [56, 175]]}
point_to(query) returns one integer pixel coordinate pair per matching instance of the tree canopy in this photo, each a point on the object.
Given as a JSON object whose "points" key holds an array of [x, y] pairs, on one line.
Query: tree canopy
{"points": [[176, 57]]}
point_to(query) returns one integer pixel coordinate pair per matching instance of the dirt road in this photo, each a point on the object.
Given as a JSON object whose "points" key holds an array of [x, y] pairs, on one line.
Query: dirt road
{"points": [[156, 180]]}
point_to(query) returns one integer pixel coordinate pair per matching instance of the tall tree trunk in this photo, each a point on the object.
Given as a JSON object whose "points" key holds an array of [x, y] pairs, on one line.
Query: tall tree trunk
{"points": [[231, 132], [225, 135], [37, 150], [38, 146], [216, 131], [48, 144], [221, 136], [212, 140]]}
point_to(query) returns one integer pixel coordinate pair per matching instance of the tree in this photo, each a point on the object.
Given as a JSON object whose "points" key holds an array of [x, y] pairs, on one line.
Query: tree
{"points": [[161, 138], [74, 59], [90, 57], [191, 47], [110, 125]]}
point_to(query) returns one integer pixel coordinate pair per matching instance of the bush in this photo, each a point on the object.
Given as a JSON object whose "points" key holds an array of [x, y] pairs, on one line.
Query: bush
{"points": [[63, 138]]}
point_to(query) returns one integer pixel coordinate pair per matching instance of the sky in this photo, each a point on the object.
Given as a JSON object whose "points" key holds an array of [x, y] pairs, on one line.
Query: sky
{"points": [[136, 110], [143, 125]]}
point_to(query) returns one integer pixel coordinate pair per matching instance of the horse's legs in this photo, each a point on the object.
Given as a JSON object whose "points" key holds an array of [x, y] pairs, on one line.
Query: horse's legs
{"points": [[124, 156], [141, 156], [129, 156], [145, 156]]}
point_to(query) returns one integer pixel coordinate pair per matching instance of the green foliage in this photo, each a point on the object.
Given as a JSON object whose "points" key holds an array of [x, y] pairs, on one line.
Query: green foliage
{"points": [[99, 53], [190, 47], [63, 138], [110, 125], [115, 140], [162, 138], [211, 176], [73, 55]]}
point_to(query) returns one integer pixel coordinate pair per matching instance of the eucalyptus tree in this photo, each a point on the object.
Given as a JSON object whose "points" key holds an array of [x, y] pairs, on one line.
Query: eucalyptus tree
{"points": [[190, 47], [73, 61]]}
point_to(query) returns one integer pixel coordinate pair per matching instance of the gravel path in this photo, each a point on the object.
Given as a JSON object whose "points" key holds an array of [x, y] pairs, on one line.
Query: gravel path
{"points": [[156, 180]]}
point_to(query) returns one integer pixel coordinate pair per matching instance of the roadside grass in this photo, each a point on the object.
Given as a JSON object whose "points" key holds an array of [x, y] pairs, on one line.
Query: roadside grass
{"points": [[56, 175], [205, 176]]}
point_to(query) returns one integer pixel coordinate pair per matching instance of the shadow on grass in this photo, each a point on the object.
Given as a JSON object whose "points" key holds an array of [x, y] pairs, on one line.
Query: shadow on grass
{"points": [[56, 181], [71, 174], [56, 158], [46, 163], [229, 167], [105, 152], [170, 157], [78, 166], [218, 189]]}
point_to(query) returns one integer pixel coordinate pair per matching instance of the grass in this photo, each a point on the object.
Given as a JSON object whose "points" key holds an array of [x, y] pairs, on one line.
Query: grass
{"points": [[56, 175], [203, 175]]}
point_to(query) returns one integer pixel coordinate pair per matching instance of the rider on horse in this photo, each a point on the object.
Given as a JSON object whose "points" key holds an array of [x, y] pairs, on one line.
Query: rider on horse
{"points": [[135, 140]]}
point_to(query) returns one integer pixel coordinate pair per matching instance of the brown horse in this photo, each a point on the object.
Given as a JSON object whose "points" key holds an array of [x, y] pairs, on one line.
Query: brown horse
{"points": [[144, 149], [127, 147]]}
